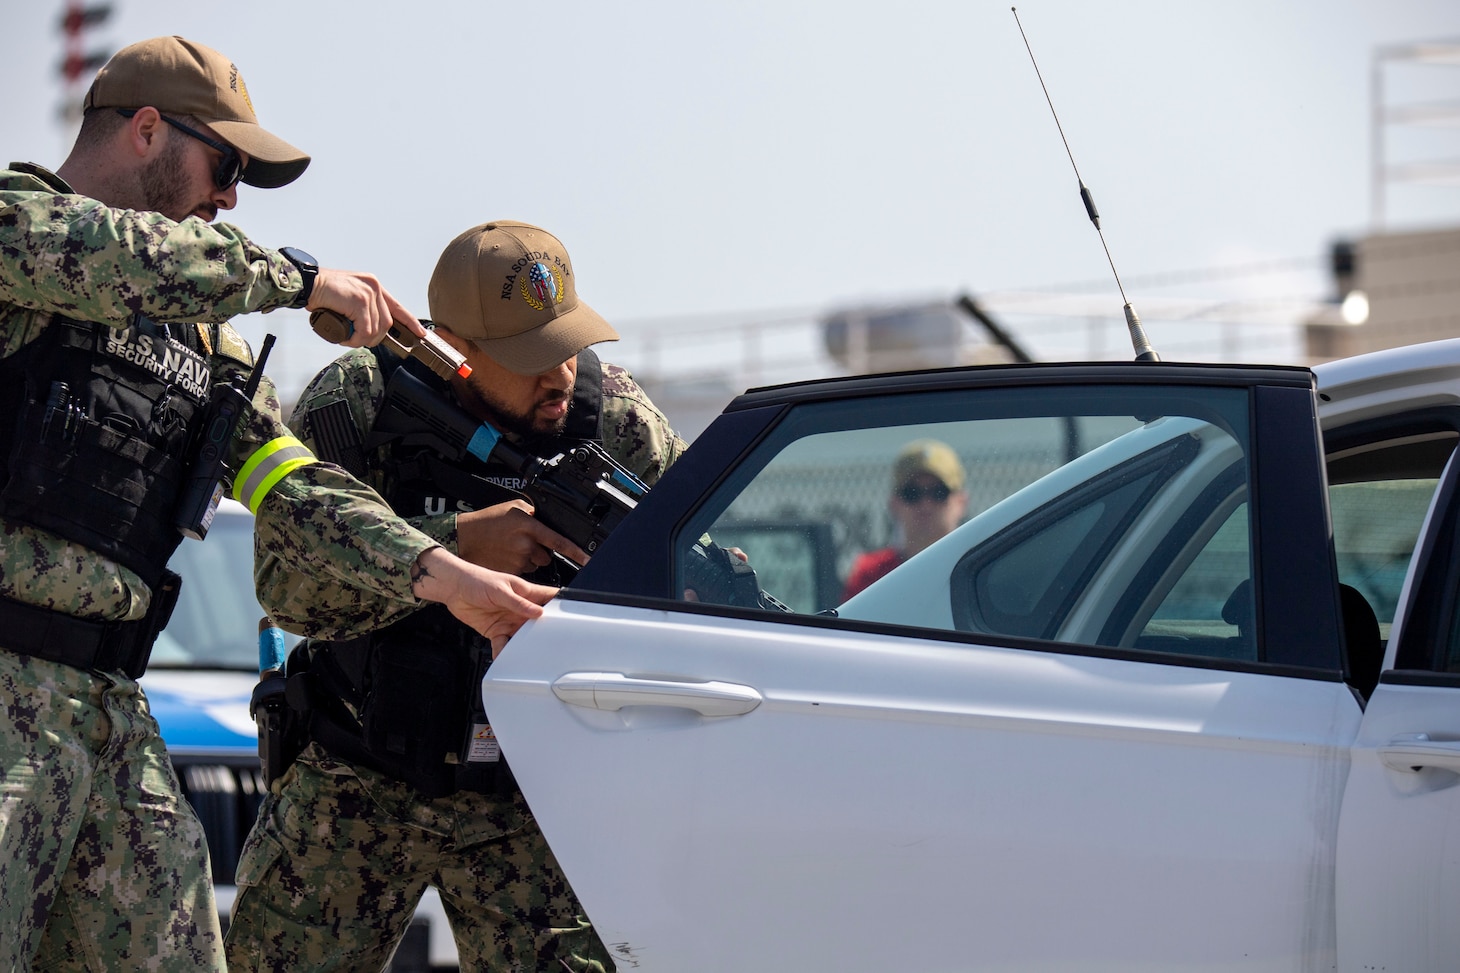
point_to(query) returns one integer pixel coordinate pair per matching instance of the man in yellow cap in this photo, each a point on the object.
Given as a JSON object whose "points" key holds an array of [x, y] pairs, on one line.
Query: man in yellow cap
{"points": [[401, 785], [107, 268], [927, 502]]}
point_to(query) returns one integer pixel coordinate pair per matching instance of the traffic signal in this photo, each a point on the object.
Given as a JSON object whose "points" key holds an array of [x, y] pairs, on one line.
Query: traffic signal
{"points": [[78, 62]]}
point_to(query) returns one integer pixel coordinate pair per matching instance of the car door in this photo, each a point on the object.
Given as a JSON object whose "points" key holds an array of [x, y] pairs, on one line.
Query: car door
{"points": [[1100, 726], [1399, 839]]}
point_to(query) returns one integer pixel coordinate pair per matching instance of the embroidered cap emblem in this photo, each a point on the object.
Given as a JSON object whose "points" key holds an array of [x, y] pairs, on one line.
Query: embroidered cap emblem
{"points": [[542, 286]]}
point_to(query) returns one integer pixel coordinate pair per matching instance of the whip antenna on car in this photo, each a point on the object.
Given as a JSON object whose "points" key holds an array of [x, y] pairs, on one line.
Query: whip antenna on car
{"points": [[1144, 351]]}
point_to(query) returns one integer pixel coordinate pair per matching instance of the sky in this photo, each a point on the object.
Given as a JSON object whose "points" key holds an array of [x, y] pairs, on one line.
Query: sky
{"points": [[713, 164]]}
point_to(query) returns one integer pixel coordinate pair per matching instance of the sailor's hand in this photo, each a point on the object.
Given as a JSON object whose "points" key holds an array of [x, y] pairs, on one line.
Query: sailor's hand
{"points": [[363, 301], [506, 537], [493, 603]]}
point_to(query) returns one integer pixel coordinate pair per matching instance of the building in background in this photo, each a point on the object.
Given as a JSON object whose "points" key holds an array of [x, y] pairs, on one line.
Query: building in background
{"points": [[910, 336], [1390, 289], [1395, 287]]}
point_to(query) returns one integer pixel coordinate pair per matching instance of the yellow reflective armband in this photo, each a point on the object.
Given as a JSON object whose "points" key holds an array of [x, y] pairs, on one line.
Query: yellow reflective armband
{"points": [[269, 464]]}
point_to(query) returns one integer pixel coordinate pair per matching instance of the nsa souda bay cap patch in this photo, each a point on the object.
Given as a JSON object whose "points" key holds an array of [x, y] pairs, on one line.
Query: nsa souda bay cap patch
{"points": [[180, 77], [509, 287]]}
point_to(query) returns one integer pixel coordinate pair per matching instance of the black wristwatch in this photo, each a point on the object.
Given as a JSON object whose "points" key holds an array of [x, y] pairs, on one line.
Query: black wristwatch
{"points": [[308, 266]]}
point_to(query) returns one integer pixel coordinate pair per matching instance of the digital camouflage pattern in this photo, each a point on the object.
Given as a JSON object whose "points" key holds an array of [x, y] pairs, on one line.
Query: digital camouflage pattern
{"points": [[102, 865], [331, 874], [635, 433], [337, 840], [68, 254], [84, 767]]}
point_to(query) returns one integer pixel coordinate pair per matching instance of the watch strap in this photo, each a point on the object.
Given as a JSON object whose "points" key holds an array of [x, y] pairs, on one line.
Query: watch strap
{"points": [[308, 268]]}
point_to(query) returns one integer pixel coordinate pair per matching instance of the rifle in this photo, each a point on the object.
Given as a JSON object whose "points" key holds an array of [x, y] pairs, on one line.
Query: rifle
{"points": [[582, 493], [203, 488]]}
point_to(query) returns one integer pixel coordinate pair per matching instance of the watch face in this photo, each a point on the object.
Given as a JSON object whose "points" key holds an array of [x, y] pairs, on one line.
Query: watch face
{"points": [[299, 258]]}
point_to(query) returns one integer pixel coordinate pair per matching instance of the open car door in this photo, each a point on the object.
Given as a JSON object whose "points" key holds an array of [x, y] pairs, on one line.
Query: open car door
{"points": [[1101, 726], [1399, 840]]}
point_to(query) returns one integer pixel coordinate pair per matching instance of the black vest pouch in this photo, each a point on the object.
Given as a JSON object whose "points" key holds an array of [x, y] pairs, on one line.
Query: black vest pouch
{"points": [[422, 676], [415, 689], [108, 472], [480, 766], [101, 432]]}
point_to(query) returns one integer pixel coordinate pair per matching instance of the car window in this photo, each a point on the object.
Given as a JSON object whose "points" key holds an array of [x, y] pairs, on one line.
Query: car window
{"points": [[1210, 604], [1111, 517], [1430, 640], [1378, 494], [215, 623]]}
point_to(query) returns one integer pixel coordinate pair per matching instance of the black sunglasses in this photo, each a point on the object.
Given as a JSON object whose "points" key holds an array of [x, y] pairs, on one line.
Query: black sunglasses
{"points": [[230, 167], [911, 493]]}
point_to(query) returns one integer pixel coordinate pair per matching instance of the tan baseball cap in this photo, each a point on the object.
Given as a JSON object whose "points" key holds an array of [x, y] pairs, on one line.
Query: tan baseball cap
{"points": [[928, 456], [179, 77], [508, 287]]}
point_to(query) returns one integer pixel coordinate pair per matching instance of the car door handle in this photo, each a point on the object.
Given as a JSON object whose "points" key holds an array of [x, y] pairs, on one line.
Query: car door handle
{"points": [[1413, 752], [614, 691]]}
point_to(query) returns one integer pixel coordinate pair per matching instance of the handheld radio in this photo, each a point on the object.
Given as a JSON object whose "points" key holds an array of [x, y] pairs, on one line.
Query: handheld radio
{"points": [[203, 487]]}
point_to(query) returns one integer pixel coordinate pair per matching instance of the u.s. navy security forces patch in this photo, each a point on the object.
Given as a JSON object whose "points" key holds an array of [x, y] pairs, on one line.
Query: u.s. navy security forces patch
{"points": [[169, 361]]}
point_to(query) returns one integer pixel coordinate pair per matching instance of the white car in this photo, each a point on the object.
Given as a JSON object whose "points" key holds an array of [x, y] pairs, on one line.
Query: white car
{"points": [[1129, 716]]}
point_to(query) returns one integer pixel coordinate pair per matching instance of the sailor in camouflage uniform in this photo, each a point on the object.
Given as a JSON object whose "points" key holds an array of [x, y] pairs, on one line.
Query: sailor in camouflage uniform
{"points": [[401, 785], [113, 290]]}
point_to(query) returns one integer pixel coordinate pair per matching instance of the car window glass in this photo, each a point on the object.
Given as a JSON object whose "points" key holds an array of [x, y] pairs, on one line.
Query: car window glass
{"points": [[1378, 496], [1022, 586], [1375, 528], [1110, 517], [215, 623], [1209, 610]]}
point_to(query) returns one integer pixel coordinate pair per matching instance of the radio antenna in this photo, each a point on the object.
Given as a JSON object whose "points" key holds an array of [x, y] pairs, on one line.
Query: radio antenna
{"points": [[1144, 351]]}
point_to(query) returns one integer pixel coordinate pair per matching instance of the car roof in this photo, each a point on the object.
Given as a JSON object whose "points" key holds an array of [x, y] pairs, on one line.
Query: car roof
{"points": [[1409, 378], [1363, 386], [1017, 374]]}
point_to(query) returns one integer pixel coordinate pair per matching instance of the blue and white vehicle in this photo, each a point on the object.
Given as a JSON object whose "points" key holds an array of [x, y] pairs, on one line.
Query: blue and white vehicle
{"points": [[1182, 693]]}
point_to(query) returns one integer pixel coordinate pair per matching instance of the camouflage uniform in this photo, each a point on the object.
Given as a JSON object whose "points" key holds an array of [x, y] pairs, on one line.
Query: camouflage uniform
{"points": [[326, 604], [102, 864], [340, 855]]}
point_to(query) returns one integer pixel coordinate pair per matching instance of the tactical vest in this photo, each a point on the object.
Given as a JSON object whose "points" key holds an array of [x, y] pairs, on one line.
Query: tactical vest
{"points": [[103, 425], [416, 684]]}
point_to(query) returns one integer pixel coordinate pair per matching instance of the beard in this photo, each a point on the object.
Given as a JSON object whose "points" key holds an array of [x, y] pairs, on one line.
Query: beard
{"points": [[523, 425], [165, 186]]}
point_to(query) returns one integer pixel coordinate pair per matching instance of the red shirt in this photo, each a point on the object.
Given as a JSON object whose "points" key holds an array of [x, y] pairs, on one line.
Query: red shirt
{"points": [[870, 567]]}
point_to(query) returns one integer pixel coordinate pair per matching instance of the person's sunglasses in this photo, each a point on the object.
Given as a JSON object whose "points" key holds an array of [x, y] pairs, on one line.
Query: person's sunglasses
{"points": [[911, 493], [230, 167]]}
